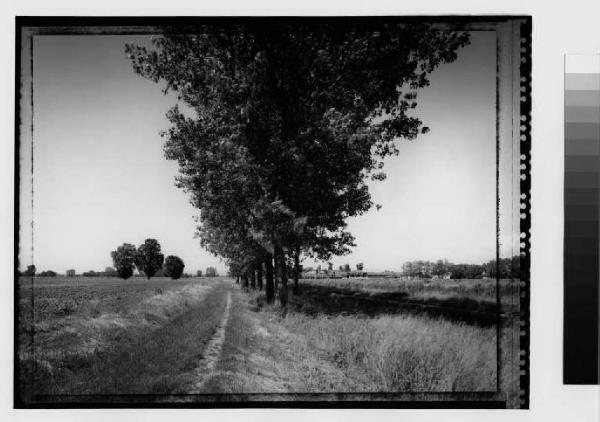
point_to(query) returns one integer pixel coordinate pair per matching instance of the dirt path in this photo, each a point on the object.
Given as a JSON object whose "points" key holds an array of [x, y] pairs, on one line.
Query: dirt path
{"points": [[258, 355], [212, 352]]}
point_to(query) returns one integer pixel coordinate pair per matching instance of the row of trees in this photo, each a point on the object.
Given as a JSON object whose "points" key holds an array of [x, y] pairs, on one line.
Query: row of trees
{"points": [[504, 268], [284, 123], [343, 268], [148, 259], [111, 272], [31, 271]]}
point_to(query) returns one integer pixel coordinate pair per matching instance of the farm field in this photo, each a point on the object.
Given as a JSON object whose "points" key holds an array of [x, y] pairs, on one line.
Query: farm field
{"points": [[106, 335], [204, 335], [471, 300]]}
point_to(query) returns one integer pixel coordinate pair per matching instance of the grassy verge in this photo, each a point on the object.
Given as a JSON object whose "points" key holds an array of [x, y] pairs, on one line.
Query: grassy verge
{"points": [[269, 352], [402, 352], [261, 356]]}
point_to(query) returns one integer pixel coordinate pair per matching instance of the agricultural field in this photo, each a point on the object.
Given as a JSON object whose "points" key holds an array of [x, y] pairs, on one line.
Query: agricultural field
{"points": [[204, 335], [471, 300], [107, 335]]}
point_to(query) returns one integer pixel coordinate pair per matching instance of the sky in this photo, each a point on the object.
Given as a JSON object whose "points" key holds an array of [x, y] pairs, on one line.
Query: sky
{"points": [[100, 178]]}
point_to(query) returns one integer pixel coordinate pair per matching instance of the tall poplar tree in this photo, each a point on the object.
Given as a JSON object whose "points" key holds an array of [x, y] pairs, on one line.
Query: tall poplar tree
{"points": [[286, 123]]}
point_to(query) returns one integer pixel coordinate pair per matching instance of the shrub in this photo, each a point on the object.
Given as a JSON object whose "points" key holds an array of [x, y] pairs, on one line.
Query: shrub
{"points": [[30, 271], [174, 267]]}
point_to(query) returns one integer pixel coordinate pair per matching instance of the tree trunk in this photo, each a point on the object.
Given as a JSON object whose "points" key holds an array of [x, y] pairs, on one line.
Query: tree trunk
{"points": [[253, 279], [280, 269], [275, 275], [296, 269], [269, 288], [237, 280], [245, 280], [259, 276]]}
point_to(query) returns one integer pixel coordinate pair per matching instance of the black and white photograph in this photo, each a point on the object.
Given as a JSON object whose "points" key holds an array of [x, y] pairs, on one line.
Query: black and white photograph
{"points": [[272, 211]]}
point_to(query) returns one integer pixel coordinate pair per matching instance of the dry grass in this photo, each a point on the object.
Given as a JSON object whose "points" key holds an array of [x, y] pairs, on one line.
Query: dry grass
{"points": [[270, 352], [119, 338], [402, 352], [261, 356]]}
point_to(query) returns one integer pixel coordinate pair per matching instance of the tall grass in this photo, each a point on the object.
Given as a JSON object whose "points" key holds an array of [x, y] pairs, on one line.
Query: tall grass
{"points": [[403, 353]]}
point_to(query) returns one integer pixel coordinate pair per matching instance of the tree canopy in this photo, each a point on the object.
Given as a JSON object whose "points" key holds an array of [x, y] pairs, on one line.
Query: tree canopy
{"points": [[284, 124], [148, 257], [174, 267], [123, 260]]}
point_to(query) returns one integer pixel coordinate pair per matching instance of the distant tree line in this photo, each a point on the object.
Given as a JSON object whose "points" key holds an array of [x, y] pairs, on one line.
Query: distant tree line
{"points": [[147, 258], [171, 268], [504, 268], [346, 269]]}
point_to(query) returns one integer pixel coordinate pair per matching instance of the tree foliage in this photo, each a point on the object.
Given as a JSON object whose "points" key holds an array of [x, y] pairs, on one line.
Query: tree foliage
{"points": [[284, 124], [123, 260], [148, 257], [173, 267]]}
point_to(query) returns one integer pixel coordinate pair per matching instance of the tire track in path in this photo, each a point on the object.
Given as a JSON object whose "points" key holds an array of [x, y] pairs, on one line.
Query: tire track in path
{"points": [[212, 351]]}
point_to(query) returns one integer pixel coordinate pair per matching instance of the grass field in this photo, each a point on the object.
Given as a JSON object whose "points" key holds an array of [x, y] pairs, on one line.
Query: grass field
{"points": [[472, 301], [110, 336], [476, 289]]}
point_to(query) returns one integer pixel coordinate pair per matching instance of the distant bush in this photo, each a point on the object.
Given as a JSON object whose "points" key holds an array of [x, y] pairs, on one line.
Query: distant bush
{"points": [[174, 267], [30, 271], [211, 272], [199, 273], [110, 272], [71, 273], [48, 273], [91, 273]]}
